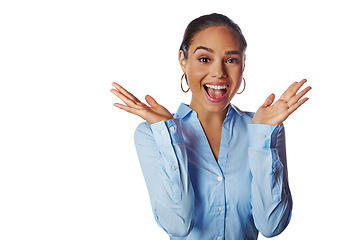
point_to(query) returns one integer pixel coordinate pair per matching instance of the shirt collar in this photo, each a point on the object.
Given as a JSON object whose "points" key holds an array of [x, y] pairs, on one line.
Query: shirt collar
{"points": [[184, 110], [235, 109]]}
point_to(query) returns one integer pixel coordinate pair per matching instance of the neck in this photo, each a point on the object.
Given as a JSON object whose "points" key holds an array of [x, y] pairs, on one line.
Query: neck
{"points": [[210, 118]]}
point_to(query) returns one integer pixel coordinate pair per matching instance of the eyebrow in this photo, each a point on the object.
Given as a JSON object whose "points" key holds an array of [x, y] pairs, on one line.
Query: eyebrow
{"points": [[211, 51], [205, 48], [233, 52]]}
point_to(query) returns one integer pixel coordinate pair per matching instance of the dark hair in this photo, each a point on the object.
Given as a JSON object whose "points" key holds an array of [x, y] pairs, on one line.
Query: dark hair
{"points": [[206, 21]]}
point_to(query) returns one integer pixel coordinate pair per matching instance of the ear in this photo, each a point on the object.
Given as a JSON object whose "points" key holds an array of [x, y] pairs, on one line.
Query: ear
{"points": [[244, 59], [182, 60]]}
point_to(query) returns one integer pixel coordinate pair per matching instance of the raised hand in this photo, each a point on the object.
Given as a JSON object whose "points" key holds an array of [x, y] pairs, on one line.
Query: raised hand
{"points": [[282, 108], [152, 114]]}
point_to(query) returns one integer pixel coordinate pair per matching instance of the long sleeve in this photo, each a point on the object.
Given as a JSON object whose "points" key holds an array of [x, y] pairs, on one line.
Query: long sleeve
{"points": [[270, 194], [163, 159]]}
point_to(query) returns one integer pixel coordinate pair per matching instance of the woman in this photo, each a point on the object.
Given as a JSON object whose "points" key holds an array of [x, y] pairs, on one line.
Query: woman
{"points": [[212, 170]]}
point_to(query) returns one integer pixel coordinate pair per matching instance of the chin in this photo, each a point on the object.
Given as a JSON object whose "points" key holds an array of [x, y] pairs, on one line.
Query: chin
{"points": [[217, 108]]}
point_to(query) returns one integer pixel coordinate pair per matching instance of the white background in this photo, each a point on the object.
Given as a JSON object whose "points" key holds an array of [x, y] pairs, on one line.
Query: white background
{"points": [[68, 166]]}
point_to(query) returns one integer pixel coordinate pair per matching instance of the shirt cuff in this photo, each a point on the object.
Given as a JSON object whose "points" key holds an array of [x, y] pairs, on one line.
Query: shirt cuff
{"points": [[167, 131], [262, 136]]}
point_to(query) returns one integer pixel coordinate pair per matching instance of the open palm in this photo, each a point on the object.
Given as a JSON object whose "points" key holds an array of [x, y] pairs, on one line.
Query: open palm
{"points": [[274, 114], [152, 113]]}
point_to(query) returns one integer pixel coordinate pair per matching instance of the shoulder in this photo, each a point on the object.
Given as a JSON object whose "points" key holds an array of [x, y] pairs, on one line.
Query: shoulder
{"points": [[243, 114], [249, 115]]}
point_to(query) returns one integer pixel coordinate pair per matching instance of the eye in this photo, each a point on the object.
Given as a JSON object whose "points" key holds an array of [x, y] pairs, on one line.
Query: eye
{"points": [[232, 60], [204, 60]]}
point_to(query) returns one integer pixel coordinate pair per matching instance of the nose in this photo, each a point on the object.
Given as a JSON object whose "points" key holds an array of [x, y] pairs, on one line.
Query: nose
{"points": [[218, 70]]}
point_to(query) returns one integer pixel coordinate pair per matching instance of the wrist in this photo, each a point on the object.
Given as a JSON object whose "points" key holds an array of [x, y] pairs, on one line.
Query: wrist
{"points": [[162, 119], [265, 122]]}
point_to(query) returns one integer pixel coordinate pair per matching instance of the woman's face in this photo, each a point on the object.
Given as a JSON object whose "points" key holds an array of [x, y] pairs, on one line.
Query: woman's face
{"points": [[214, 68]]}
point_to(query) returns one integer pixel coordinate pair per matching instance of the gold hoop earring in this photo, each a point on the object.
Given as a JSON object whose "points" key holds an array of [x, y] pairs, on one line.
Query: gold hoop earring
{"points": [[244, 87], [184, 75]]}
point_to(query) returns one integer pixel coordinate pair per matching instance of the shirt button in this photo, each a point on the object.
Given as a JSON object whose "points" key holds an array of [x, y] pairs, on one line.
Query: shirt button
{"points": [[263, 136], [162, 132], [174, 167], [219, 238], [221, 208], [172, 128], [220, 179]]}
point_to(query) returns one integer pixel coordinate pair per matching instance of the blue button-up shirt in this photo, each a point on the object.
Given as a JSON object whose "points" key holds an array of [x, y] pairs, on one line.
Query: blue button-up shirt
{"points": [[193, 196]]}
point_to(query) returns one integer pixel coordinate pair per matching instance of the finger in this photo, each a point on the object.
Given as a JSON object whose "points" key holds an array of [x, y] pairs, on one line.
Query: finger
{"points": [[270, 99], [299, 85], [288, 89], [129, 102], [292, 90], [123, 107], [135, 111], [298, 96], [297, 105], [125, 92], [151, 101]]}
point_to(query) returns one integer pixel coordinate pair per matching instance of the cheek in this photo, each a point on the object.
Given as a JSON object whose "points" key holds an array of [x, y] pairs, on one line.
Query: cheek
{"points": [[236, 75], [195, 75]]}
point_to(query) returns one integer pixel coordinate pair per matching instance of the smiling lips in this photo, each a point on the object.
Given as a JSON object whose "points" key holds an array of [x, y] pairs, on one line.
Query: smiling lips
{"points": [[216, 91]]}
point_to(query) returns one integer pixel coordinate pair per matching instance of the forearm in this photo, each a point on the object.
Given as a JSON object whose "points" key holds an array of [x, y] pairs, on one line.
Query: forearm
{"points": [[271, 197], [163, 161]]}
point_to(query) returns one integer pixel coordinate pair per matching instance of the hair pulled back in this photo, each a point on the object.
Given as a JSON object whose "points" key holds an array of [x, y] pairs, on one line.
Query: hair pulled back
{"points": [[206, 21]]}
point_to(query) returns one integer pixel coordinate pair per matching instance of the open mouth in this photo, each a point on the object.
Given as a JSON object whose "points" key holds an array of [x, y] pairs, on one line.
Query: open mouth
{"points": [[216, 92]]}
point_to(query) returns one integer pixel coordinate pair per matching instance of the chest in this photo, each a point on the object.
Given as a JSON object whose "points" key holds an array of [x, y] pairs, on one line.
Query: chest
{"points": [[217, 150], [213, 137]]}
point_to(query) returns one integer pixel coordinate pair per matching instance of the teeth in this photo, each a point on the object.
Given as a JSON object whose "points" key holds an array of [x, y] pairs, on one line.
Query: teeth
{"points": [[215, 87]]}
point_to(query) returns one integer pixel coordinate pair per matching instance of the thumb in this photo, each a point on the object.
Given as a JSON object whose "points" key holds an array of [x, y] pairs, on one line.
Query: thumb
{"points": [[269, 100], [151, 101]]}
